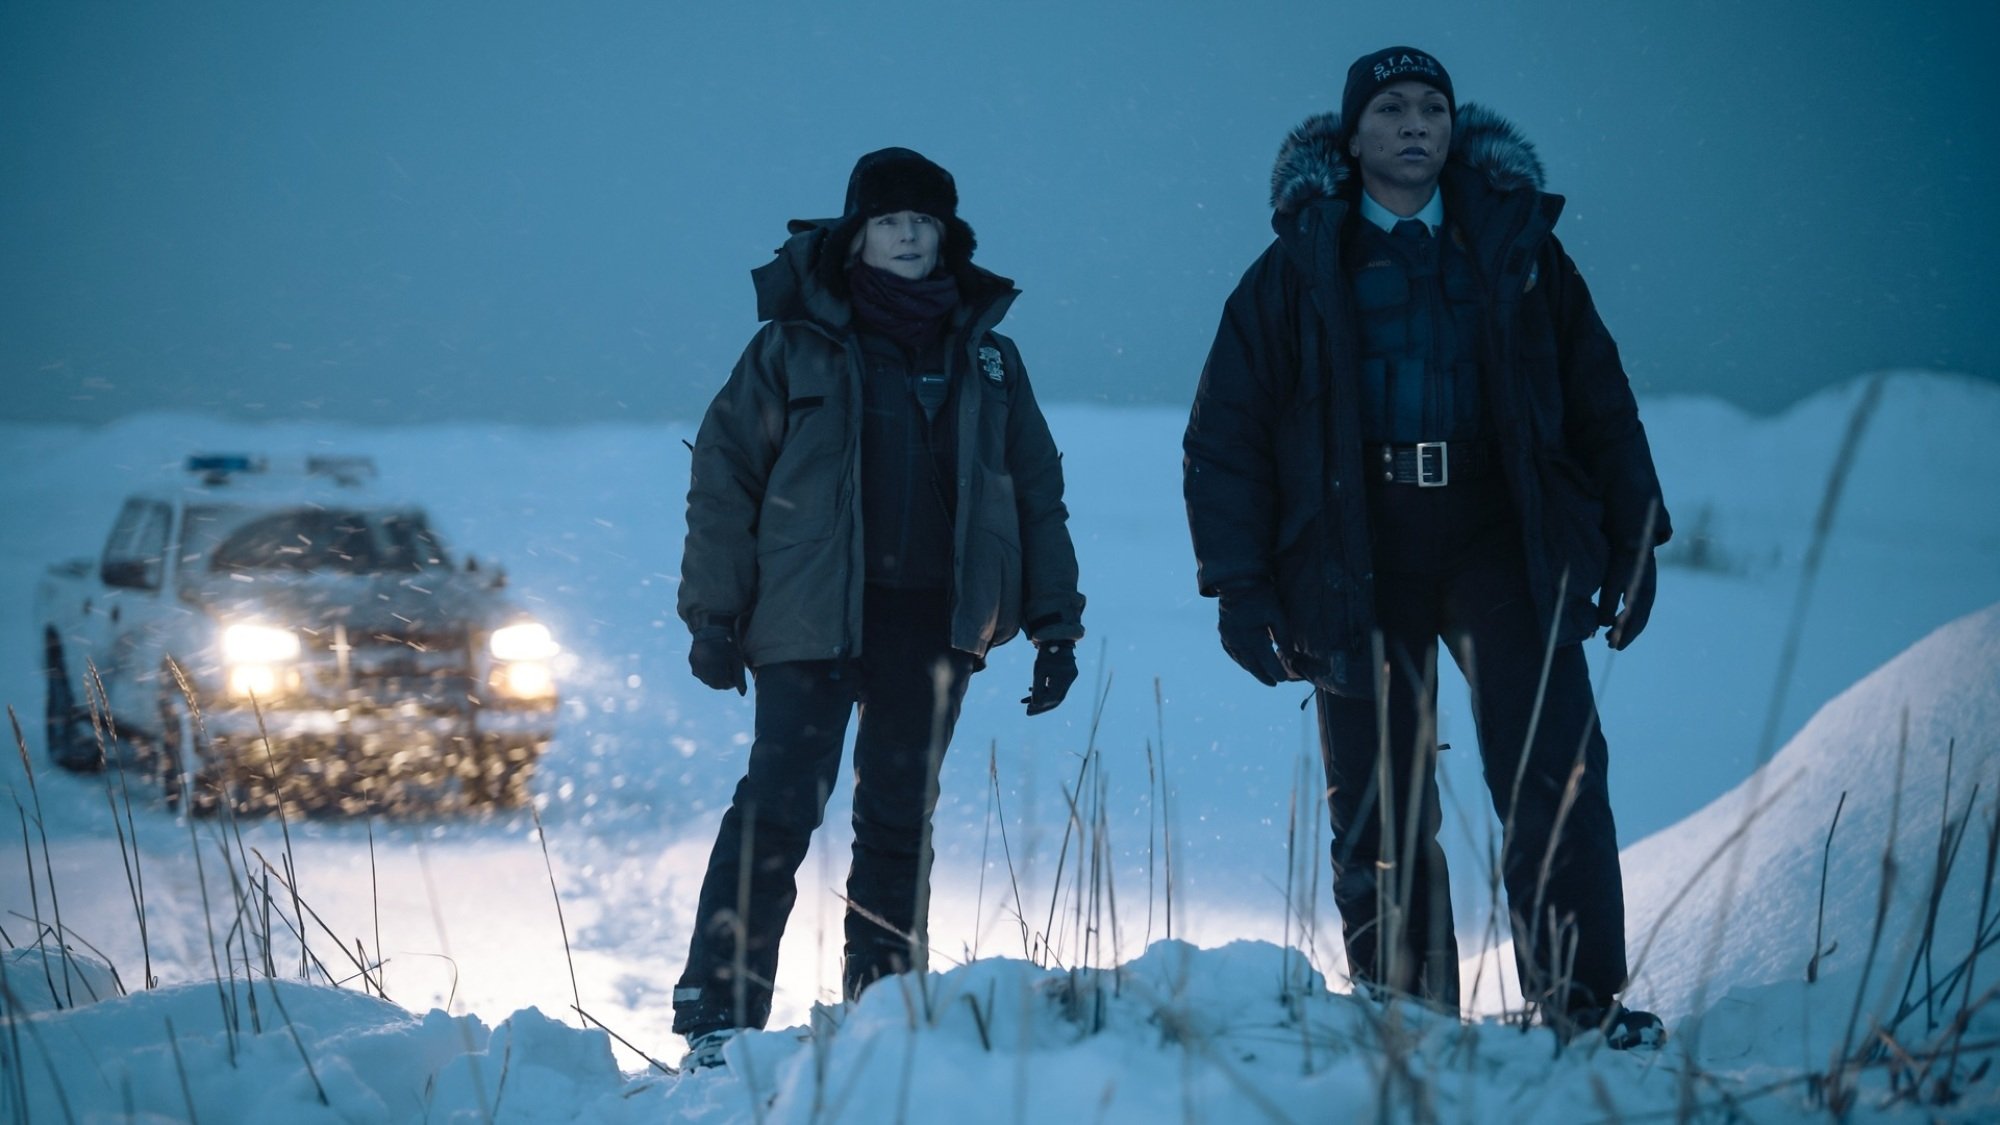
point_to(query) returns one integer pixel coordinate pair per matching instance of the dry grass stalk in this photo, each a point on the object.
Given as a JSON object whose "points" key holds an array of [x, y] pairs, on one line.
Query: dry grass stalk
{"points": [[555, 893], [1820, 948], [1166, 818], [48, 867], [104, 727], [180, 1071]]}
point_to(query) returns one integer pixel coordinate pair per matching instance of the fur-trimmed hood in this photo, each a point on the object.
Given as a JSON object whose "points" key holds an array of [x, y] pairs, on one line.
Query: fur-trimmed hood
{"points": [[1312, 165]]}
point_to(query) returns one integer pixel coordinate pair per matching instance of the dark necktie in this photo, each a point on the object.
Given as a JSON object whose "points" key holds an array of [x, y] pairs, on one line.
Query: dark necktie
{"points": [[1415, 232]]}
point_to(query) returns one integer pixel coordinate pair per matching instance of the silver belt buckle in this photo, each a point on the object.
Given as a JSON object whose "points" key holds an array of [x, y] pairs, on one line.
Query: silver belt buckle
{"points": [[1425, 478]]}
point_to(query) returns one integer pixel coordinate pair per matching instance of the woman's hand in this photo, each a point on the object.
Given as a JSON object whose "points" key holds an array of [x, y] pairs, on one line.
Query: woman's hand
{"points": [[715, 659], [1055, 671]]}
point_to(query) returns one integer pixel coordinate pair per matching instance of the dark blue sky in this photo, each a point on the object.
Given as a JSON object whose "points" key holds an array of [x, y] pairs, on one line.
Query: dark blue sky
{"points": [[546, 213]]}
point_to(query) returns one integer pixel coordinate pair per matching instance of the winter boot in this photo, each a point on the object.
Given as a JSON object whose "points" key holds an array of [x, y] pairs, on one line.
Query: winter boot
{"points": [[1624, 1028], [705, 1049], [866, 963]]}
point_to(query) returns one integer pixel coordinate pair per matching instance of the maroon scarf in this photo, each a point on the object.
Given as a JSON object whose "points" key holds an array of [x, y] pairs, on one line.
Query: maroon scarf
{"points": [[912, 313]]}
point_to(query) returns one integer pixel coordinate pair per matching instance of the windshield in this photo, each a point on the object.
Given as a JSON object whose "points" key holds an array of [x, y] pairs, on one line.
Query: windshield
{"points": [[341, 541]]}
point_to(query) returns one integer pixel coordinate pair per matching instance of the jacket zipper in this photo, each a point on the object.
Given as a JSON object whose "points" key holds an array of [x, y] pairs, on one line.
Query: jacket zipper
{"points": [[850, 503]]}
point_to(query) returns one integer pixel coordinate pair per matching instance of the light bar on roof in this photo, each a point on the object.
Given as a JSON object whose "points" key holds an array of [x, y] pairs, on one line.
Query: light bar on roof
{"points": [[345, 468], [222, 464], [342, 469]]}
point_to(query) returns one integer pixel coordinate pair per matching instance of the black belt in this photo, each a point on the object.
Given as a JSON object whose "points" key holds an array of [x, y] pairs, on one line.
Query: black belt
{"points": [[1430, 464]]}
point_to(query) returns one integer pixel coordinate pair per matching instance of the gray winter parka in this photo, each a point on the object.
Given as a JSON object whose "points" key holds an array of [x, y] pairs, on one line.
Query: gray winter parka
{"points": [[774, 502], [1272, 472]]}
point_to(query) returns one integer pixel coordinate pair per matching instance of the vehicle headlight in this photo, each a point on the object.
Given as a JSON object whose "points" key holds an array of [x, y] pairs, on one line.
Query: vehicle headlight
{"points": [[526, 640], [259, 644], [253, 681], [256, 655], [525, 680]]}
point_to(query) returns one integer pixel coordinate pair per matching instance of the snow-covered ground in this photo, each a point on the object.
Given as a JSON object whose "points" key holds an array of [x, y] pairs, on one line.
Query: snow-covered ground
{"points": [[1197, 763]]}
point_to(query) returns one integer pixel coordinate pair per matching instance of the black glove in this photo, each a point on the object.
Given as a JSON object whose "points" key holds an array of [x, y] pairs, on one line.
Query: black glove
{"points": [[1635, 577], [1252, 624], [715, 659], [1055, 671]]}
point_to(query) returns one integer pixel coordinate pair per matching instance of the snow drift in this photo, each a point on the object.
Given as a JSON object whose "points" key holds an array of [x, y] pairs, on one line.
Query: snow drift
{"points": [[1247, 1031], [1731, 895]]}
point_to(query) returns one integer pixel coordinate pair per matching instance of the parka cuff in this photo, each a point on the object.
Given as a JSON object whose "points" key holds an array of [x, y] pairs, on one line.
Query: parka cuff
{"points": [[1054, 628], [1238, 587]]}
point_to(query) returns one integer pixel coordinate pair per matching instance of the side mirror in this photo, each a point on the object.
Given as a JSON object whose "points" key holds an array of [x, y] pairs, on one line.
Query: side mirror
{"points": [[497, 581]]}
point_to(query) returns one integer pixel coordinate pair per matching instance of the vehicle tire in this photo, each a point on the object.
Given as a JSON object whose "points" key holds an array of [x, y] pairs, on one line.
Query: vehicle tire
{"points": [[66, 726]]}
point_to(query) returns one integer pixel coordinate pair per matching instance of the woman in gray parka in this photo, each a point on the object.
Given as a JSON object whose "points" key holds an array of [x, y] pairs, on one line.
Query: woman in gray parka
{"points": [[875, 502]]}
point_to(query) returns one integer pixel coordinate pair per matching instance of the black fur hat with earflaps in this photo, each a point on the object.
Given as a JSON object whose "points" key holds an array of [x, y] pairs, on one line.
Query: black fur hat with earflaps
{"points": [[886, 181]]}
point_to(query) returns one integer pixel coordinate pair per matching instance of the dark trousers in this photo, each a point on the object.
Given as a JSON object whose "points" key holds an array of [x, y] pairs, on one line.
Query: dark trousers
{"points": [[907, 684], [1448, 565]]}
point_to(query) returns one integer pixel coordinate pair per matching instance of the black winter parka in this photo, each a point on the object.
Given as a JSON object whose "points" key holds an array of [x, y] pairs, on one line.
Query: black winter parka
{"points": [[1273, 472]]}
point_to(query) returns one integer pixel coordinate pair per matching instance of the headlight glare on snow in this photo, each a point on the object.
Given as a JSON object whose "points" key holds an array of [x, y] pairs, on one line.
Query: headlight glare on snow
{"points": [[525, 640]]}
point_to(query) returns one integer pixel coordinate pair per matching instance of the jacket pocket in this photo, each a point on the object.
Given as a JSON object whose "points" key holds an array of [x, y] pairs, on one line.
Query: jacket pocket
{"points": [[990, 584], [1293, 522], [806, 394], [802, 500], [1002, 574], [1573, 525], [1306, 582], [994, 406], [802, 497], [800, 602]]}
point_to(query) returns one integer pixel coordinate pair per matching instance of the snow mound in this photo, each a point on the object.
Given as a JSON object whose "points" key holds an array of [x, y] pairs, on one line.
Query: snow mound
{"points": [[1910, 747], [39, 979], [271, 1050], [1244, 1032]]}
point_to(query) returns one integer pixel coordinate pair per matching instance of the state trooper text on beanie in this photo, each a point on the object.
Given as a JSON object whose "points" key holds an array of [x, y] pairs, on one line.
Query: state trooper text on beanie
{"points": [[1387, 67]]}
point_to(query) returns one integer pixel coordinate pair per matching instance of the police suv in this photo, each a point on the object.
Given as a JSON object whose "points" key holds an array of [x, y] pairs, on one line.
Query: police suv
{"points": [[261, 632]]}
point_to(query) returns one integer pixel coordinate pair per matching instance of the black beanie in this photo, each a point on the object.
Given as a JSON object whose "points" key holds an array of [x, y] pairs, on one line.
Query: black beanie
{"points": [[899, 179], [1387, 67]]}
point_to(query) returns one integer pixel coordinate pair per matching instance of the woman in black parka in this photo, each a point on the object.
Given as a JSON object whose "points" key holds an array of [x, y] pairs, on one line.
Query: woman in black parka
{"points": [[1414, 427]]}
